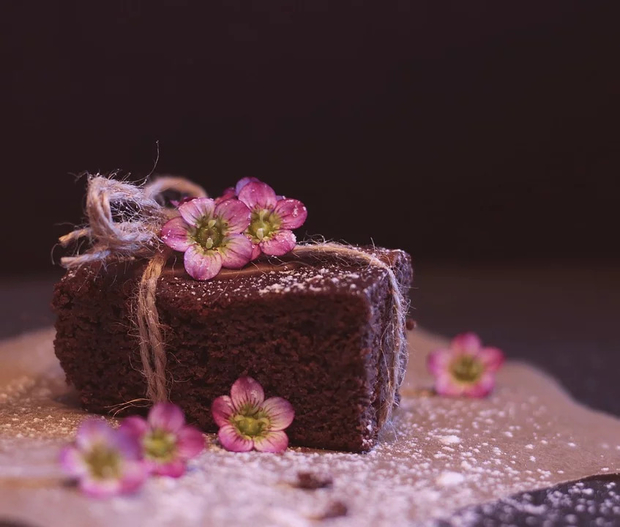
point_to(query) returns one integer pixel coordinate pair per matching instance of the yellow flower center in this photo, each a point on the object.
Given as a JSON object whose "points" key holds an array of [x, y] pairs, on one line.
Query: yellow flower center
{"points": [[251, 422], [263, 224], [210, 233], [104, 462], [160, 446], [467, 369]]}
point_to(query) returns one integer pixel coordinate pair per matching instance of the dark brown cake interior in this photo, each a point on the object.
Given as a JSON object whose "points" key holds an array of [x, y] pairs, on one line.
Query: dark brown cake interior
{"points": [[310, 334]]}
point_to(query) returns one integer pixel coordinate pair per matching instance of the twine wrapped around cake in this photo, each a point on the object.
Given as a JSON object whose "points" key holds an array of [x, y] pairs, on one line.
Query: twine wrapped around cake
{"points": [[125, 221]]}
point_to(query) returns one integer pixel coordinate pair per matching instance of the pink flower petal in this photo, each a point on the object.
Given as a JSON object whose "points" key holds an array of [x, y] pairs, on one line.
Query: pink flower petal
{"points": [[100, 488], [202, 265], [222, 408], [438, 361], [195, 210], [466, 342], [166, 416], [228, 193], [256, 252], [246, 391], [190, 442], [243, 182], [134, 426], [180, 202], [482, 388], [292, 213], [492, 358], [235, 213], [236, 251], [279, 412], [127, 445], [445, 385], [272, 442], [94, 431], [280, 243], [175, 234], [232, 441], [257, 195], [174, 469], [72, 462], [134, 476]]}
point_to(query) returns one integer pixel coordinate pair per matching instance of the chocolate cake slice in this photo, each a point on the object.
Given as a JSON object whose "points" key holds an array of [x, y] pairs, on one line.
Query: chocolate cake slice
{"points": [[308, 329]]}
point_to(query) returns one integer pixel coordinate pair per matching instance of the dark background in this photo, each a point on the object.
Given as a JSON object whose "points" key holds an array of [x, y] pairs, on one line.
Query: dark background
{"points": [[459, 131]]}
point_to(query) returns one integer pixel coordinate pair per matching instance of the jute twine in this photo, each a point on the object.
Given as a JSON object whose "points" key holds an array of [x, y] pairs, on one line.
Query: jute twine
{"points": [[125, 221], [393, 350]]}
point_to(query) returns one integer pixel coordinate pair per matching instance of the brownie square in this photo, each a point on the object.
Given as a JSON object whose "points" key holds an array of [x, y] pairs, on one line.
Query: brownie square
{"points": [[309, 330]]}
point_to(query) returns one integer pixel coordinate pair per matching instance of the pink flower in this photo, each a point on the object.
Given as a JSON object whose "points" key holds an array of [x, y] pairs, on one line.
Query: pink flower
{"points": [[272, 220], [233, 192], [167, 442], [229, 193], [210, 236], [466, 368], [177, 203], [247, 421], [105, 461]]}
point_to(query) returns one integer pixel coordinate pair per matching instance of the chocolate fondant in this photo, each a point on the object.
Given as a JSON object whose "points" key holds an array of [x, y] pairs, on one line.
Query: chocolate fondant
{"points": [[309, 330]]}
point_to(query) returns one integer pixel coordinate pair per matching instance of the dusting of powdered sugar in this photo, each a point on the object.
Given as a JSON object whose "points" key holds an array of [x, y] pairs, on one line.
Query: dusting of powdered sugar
{"points": [[438, 456], [325, 279], [323, 276]]}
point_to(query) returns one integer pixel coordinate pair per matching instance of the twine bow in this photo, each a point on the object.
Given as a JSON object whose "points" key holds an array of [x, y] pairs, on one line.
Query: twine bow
{"points": [[124, 222]]}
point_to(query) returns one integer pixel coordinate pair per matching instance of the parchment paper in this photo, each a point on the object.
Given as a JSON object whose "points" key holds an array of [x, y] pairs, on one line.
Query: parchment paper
{"points": [[439, 455]]}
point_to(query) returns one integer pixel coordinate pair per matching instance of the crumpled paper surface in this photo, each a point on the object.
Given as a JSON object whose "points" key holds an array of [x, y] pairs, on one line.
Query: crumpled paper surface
{"points": [[440, 455]]}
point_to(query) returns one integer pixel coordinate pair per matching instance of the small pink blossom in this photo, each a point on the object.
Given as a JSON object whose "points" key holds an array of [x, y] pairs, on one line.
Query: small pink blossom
{"points": [[272, 220], [209, 234], [233, 192], [105, 461], [466, 368], [249, 422], [228, 193], [167, 442], [243, 182], [178, 202]]}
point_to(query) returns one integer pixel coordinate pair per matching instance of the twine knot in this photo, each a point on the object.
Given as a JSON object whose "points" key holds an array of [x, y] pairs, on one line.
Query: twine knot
{"points": [[124, 220]]}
